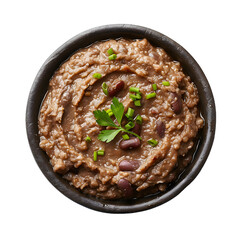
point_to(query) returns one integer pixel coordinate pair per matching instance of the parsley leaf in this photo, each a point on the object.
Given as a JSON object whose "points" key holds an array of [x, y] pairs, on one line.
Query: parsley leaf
{"points": [[117, 109], [108, 135], [103, 118]]}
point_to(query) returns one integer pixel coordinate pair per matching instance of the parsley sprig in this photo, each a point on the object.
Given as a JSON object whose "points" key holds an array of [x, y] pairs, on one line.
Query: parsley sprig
{"points": [[103, 119]]}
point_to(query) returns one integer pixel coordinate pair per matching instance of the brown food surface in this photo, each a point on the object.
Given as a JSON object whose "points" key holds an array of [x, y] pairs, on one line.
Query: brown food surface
{"points": [[172, 118]]}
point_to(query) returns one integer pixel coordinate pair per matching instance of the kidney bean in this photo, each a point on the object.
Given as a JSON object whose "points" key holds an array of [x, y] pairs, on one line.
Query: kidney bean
{"points": [[128, 165], [126, 187], [176, 103], [131, 143], [160, 127], [137, 129], [113, 91]]}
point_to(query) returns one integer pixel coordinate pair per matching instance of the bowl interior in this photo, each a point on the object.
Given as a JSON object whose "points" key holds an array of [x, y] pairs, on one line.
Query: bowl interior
{"points": [[190, 67]]}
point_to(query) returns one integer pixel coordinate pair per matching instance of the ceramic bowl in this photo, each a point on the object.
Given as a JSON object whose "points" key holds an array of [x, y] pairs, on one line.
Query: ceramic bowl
{"points": [[190, 67]]}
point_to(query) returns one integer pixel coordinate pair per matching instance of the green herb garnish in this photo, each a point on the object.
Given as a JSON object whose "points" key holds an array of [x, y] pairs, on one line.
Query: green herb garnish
{"points": [[154, 86], [165, 83], [133, 97], [152, 142], [88, 139], [100, 152], [109, 112], [105, 88], [136, 96], [97, 75], [129, 125], [110, 51], [95, 156], [125, 137], [112, 57], [138, 119], [117, 109], [134, 89], [129, 113], [108, 135], [137, 103], [151, 95], [103, 119]]}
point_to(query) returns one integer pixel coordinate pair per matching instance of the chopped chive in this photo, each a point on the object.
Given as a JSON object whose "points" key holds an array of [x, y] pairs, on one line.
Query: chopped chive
{"points": [[151, 95], [109, 112], [88, 139], [138, 95], [112, 57], [97, 75], [129, 125], [105, 88], [165, 83], [95, 154], [110, 51], [154, 86], [130, 113], [152, 142], [100, 152], [133, 97], [137, 103], [125, 137], [134, 89], [138, 119]]}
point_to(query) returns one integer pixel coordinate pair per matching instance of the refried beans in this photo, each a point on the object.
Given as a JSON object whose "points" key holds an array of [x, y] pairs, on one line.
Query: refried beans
{"points": [[120, 119]]}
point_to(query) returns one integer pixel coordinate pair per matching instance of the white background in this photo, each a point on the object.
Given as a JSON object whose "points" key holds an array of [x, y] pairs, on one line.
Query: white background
{"points": [[31, 208]]}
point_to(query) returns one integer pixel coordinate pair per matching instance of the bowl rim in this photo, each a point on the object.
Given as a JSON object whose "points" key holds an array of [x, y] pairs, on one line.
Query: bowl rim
{"points": [[57, 57]]}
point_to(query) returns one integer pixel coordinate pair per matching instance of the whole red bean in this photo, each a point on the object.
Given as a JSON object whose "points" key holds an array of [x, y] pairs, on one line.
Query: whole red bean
{"points": [[126, 187], [114, 90], [160, 127], [131, 143], [128, 165], [176, 103], [137, 128]]}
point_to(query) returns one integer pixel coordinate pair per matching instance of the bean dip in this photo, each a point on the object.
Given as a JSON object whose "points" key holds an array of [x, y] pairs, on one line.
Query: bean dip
{"points": [[120, 119]]}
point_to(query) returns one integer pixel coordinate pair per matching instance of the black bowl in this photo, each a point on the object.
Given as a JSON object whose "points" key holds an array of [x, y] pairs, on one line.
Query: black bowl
{"points": [[190, 67]]}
